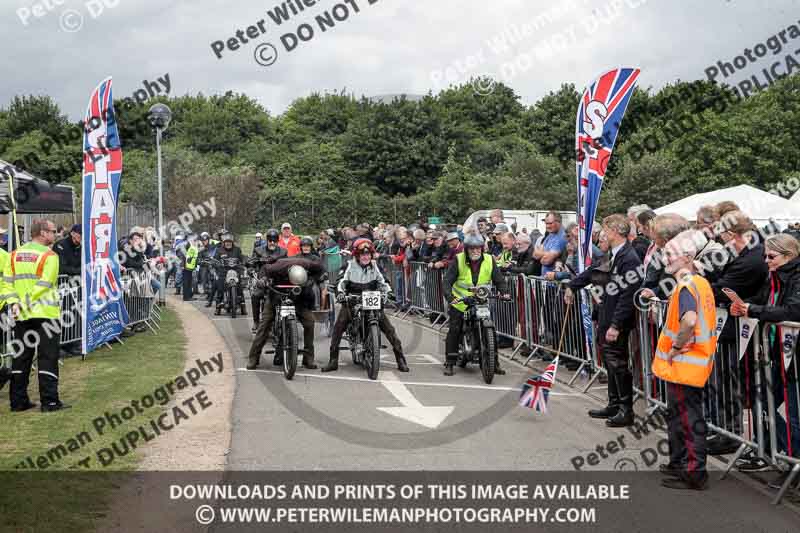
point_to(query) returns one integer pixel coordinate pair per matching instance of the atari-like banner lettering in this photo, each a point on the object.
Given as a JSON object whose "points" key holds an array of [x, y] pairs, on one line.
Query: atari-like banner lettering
{"points": [[104, 310]]}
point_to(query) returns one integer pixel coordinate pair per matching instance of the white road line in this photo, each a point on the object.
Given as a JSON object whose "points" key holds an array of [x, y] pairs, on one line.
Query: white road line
{"points": [[418, 383], [412, 409]]}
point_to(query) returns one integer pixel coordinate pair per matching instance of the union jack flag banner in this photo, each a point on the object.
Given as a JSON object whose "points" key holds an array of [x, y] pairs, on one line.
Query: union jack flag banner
{"points": [[600, 113], [536, 390], [104, 310]]}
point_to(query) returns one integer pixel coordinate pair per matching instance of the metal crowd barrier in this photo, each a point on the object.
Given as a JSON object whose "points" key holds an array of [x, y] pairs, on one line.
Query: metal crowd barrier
{"points": [[139, 297], [544, 312], [751, 393], [749, 397], [140, 301]]}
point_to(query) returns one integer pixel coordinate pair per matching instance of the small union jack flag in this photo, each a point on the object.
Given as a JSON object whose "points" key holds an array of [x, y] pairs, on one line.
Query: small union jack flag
{"points": [[536, 390]]}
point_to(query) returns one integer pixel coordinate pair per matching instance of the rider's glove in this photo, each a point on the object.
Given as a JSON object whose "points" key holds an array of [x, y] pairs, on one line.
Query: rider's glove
{"points": [[261, 283], [469, 300], [341, 297], [385, 297]]}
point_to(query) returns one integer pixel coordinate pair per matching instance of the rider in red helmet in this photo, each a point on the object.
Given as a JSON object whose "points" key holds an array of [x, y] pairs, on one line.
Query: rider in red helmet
{"points": [[361, 273]]}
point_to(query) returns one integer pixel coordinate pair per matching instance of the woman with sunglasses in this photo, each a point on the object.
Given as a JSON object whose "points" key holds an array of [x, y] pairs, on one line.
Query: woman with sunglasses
{"points": [[779, 301]]}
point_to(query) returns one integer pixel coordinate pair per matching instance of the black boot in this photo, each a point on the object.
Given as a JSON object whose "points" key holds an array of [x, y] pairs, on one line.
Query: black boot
{"points": [[497, 370], [623, 418], [308, 362], [606, 412], [333, 362], [448, 369], [613, 401], [402, 365]]}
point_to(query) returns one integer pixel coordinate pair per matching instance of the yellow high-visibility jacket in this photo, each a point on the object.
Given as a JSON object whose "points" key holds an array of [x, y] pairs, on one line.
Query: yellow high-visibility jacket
{"points": [[32, 274]]}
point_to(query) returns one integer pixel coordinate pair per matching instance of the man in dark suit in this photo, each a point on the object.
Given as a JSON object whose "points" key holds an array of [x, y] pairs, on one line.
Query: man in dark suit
{"points": [[615, 320]]}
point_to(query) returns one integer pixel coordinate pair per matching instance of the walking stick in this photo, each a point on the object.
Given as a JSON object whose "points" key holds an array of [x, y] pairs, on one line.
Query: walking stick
{"points": [[563, 329]]}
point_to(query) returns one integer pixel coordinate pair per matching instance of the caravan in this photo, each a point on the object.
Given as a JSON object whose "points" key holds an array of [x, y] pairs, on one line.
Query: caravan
{"points": [[531, 220]]}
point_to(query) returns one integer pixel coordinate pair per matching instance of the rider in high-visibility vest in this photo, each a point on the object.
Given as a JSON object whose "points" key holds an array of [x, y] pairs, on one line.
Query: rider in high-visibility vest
{"points": [[471, 268], [32, 272], [684, 359], [5, 292]]}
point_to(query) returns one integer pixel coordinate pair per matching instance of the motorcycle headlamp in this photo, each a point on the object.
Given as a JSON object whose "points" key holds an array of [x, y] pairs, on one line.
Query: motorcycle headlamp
{"points": [[298, 275]]}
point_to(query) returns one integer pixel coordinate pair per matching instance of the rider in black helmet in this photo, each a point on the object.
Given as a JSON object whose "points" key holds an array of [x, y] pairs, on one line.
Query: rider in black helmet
{"points": [[263, 255]]}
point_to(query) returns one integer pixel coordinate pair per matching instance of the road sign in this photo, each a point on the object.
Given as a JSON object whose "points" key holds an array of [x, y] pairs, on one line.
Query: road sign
{"points": [[434, 220]]}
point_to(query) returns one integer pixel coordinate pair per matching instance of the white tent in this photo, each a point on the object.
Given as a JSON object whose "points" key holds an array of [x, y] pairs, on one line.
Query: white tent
{"points": [[759, 205]]}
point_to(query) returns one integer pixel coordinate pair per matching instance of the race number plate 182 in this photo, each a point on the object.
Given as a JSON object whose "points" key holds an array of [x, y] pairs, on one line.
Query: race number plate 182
{"points": [[371, 300], [287, 310], [483, 312]]}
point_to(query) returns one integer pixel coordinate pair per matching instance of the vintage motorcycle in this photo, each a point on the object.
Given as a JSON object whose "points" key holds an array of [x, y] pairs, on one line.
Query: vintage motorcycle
{"points": [[363, 332], [478, 341], [284, 325], [233, 298]]}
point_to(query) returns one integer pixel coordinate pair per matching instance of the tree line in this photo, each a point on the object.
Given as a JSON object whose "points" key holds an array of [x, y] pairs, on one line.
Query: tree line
{"points": [[334, 158]]}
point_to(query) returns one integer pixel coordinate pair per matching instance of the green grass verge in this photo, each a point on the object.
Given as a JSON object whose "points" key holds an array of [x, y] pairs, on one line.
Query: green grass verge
{"points": [[108, 380]]}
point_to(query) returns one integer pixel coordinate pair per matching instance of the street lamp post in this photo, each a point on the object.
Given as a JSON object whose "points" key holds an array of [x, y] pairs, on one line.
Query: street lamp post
{"points": [[160, 116]]}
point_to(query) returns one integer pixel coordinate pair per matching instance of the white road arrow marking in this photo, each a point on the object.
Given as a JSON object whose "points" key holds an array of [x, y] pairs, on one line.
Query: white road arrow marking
{"points": [[412, 410]]}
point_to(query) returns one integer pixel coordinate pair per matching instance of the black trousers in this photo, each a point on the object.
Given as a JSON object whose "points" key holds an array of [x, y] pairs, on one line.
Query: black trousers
{"points": [[687, 431], [264, 333], [33, 338], [615, 359], [188, 284], [386, 326], [453, 338]]}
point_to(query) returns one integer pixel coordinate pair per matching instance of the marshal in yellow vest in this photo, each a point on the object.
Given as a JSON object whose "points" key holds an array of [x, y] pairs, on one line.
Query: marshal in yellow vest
{"points": [[693, 367], [32, 275]]}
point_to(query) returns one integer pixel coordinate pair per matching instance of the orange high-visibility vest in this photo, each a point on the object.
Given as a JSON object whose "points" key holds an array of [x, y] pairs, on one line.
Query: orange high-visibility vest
{"points": [[694, 366]]}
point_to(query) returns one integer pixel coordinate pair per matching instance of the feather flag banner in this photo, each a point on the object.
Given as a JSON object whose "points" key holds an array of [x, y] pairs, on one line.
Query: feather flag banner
{"points": [[600, 113], [104, 310]]}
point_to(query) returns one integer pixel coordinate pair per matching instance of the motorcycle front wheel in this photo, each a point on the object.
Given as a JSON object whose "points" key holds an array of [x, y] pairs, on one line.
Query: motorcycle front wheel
{"points": [[488, 354], [289, 347], [233, 301], [372, 351]]}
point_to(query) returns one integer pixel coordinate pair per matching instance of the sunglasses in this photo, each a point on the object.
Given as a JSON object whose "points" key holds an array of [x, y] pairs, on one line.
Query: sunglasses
{"points": [[771, 257]]}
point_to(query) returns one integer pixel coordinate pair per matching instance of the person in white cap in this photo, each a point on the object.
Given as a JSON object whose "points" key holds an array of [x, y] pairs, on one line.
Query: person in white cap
{"points": [[289, 241], [259, 241]]}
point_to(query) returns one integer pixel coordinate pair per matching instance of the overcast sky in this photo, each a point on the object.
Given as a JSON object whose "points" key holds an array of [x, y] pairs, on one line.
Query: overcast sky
{"points": [[389, 47]]}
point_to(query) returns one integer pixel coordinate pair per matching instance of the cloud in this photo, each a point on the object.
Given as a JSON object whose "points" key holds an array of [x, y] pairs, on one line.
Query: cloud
{"points": [[389, 47]]}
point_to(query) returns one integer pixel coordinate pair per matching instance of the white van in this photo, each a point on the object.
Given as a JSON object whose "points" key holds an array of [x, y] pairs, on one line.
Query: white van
{"points": [[523, 218]]}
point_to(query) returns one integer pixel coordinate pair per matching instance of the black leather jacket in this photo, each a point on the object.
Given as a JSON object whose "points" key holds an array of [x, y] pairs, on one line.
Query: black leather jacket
{"points": [[263, 255]]}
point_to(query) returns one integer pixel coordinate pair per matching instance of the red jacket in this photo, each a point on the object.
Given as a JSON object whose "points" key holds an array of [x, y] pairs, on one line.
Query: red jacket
{"points": [[292, 245]]}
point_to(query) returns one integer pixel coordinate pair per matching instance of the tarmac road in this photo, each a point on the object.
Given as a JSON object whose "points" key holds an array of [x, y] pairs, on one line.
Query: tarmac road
{"points": [[424, 421]]}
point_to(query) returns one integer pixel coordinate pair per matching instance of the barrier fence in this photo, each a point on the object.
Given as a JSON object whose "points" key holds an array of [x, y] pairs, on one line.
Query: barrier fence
{"points": [[138, 294], [752, 396]]}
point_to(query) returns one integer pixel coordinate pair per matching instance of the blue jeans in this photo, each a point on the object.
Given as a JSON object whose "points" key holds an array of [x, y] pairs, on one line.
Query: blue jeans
{"points": [[156, 285]]}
